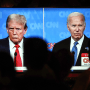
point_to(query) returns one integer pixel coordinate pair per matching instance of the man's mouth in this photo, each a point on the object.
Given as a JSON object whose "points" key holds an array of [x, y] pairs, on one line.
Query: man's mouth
{"points": [[14, 37], [77, 34]]}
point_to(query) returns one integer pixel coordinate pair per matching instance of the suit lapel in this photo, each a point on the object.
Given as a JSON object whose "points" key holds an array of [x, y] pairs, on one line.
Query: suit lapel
{"points": [[24, 40], [82, 50], [68, 43]]}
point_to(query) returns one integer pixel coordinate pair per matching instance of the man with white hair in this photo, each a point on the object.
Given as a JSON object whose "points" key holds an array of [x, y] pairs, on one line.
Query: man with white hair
{"points": [[78, 42], [16, 28]]}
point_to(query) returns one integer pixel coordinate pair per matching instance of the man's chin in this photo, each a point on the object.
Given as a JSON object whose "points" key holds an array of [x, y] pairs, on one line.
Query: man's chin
{"points": [[78, 38], [15, 41]]}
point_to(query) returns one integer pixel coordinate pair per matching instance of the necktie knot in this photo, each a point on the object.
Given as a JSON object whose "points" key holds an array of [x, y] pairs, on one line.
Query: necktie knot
{"points": [[17, 46], [75, 43]]}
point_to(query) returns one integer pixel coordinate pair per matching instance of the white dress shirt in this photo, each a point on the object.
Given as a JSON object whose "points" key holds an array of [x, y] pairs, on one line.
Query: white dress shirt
{"points": [[78, 45], [13, 48]]}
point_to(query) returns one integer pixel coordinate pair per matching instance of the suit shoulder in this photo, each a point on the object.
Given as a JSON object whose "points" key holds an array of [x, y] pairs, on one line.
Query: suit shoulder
{"points": [[4, 43], [61, 44], [86, 38], [3, 40], [65, 41]]}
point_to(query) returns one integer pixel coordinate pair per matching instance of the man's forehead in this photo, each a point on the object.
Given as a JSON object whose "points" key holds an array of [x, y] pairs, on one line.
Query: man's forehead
{"points": [[16, 21], [80, 17], [76, 20]]}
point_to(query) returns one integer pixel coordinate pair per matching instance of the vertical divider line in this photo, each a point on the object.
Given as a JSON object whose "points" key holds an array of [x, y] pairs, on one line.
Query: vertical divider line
{"points": [[43, 23]]}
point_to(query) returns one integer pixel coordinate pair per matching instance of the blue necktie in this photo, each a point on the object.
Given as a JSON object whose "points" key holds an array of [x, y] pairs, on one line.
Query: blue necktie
{"points": [[74, 49]]}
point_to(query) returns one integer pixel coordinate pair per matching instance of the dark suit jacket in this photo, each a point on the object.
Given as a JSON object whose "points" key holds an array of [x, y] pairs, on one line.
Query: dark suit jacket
{"points": [[66, 44], [4, 46]]}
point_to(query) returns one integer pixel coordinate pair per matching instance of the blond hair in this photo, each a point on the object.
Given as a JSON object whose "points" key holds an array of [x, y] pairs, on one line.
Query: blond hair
{"points": [[19, 18]]}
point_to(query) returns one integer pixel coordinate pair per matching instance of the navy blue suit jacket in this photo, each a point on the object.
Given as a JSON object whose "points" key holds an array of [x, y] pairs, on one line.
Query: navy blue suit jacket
{"points": [[66, 44], [4, 45]]}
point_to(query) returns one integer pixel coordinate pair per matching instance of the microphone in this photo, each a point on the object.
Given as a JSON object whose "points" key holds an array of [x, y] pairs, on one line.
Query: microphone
{"points": [[15, 54], [73, 52]]}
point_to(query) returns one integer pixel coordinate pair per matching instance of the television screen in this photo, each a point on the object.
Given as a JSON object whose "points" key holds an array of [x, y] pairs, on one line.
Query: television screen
{"points": [[48, 23], [55, 30]]}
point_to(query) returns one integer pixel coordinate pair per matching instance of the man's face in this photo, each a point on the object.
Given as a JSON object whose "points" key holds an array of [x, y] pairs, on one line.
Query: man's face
{"points": [[76, 26], [16, 31]]}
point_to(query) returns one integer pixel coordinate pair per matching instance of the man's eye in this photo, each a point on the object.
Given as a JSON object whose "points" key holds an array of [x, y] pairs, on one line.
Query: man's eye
{"points": [[18, 29], [80, 25], [73, 25], [11, 28]]}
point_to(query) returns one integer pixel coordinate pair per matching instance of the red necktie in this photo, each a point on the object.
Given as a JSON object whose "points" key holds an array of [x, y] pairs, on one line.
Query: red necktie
{"points": [[17, 59]]}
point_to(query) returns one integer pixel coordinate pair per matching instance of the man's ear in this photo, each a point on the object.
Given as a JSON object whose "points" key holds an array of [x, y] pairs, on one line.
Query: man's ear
{"points": [[7, 30], [25, 30], [84, 25], [68, 26]]}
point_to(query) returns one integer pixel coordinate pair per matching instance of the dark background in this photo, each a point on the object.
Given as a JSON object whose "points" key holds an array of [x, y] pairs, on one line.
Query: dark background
{"points": [[46, 3]]}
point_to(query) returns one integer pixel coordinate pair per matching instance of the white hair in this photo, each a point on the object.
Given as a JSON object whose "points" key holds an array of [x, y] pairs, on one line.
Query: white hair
{"points": [[75, 14]]}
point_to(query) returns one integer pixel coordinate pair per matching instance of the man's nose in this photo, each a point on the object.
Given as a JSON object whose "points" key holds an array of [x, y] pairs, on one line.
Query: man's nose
{"points": [[14, 31], [77, 28]]}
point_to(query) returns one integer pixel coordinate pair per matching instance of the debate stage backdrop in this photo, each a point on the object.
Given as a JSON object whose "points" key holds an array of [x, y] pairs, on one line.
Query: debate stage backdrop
{"points": [[47, 23]]}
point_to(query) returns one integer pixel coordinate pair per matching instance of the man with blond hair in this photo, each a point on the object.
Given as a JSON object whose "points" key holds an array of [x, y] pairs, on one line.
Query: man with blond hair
{"points": [[16, 28]]}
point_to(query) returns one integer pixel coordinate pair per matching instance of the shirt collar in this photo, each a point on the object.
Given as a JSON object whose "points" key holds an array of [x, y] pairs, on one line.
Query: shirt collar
{"points": [[79, 41], [12, 44]]}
